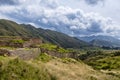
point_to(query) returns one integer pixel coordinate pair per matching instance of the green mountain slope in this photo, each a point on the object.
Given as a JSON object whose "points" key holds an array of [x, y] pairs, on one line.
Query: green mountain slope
{"points": [[10, 28]]}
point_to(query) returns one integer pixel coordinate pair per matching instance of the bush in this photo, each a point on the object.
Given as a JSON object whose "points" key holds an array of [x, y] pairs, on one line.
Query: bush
{"points": [[117, 53], [68, 60], [90, 54], [48, 47], [62, 50], [56, 48], [44, 57]]}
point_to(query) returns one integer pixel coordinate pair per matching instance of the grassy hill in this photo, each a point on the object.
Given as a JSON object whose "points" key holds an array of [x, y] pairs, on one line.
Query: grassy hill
{"points": [[46, 66], [10, 28], [12, 68]]}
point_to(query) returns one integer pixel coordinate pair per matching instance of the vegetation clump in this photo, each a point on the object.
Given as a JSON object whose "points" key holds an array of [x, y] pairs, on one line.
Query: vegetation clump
{"points": [[68, 60], [55, 48], [90, 54], [4, 52], [16, 69], [44, 57], [102, 60], [117, 53], [49, 47], [20, 41]]}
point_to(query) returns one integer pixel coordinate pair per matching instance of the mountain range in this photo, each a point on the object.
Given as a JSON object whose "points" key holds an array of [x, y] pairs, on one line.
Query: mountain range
{"points": [[102, 41], [10, 28]]}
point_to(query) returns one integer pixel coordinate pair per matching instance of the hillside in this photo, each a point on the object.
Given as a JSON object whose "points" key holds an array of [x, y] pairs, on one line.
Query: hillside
{"points": [[57, 37], [10, 28], [107, 61], [53, 69], [50, 62]]}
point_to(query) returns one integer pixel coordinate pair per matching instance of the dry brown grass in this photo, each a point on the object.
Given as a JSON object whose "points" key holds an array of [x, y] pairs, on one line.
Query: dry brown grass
{"points": [[75, 71], [61, 70]]}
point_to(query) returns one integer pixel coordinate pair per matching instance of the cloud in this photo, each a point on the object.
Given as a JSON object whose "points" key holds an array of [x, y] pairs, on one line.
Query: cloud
{"points": [[49, 3], [74, 22], [94, 2], [9, 2]]}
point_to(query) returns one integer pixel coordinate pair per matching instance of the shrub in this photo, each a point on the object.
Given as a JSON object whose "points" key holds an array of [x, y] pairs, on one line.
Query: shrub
{"points": [[68, 60], [56, 48], [62, 50], [90, 54], [48, 46], [117, 53], [44, 57]]}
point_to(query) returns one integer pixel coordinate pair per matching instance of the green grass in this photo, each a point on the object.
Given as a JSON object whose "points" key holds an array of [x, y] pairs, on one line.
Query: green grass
{"points": [[107, 63], [15, 69], [7, 47], [50, 47], [62, 50], [102, 59], [68, 60], [46, 67], [20, 41], [44, 57], [56, 48]]}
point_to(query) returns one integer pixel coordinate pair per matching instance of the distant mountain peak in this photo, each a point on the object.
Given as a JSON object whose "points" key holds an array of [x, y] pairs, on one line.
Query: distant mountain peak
{"points": [[101, 40]]}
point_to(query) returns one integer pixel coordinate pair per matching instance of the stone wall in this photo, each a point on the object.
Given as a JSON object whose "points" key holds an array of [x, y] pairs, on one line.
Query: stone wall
{"points": [[26, 54], [32, 53], [60, 55]]}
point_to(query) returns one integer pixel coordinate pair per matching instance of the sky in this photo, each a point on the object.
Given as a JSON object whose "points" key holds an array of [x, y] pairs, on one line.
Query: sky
{"points": [[76, 18]]}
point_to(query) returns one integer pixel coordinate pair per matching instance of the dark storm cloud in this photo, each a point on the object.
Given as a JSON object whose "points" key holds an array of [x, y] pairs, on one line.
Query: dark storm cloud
{"points": [[9, 2], [95, 27]]}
